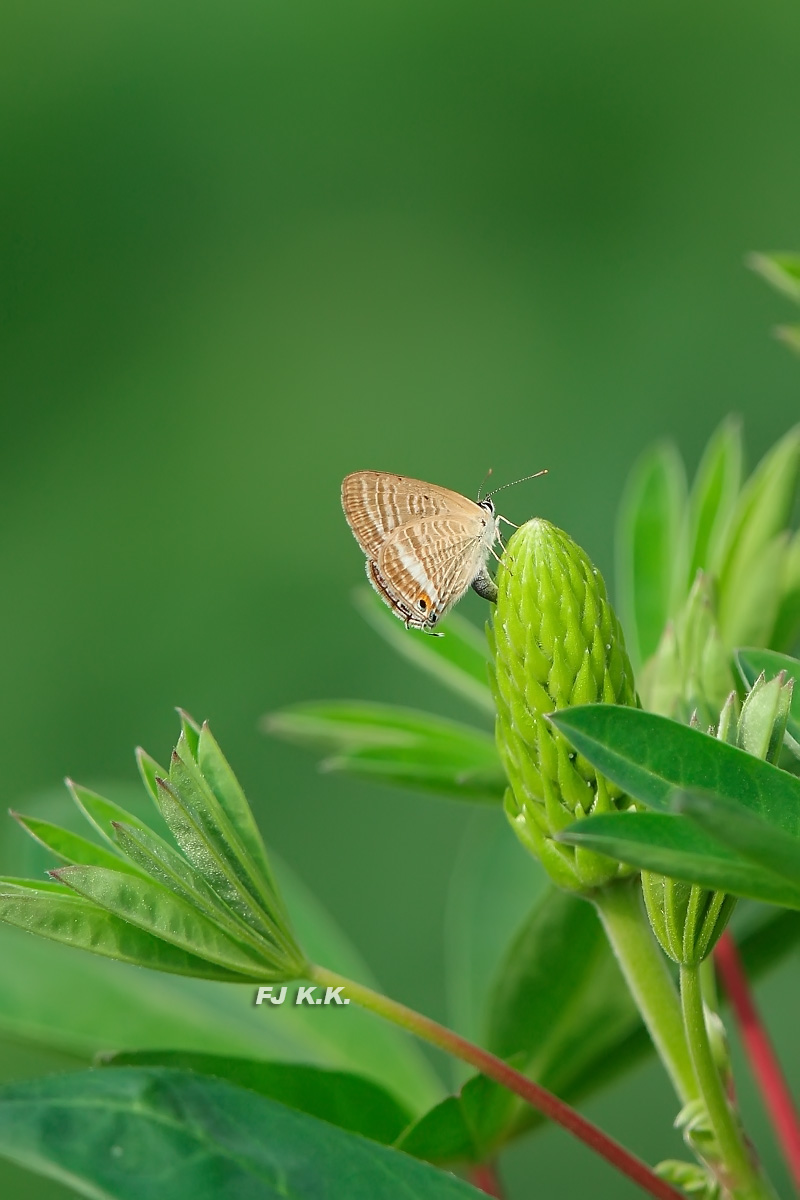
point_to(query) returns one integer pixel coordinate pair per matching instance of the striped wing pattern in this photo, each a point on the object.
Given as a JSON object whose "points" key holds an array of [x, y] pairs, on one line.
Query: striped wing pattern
{"points": [[424, 544], [376, 503]]}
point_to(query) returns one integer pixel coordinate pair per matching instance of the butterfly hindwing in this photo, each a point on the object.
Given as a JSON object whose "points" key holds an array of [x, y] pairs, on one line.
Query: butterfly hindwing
{"points": [[429, 564]]}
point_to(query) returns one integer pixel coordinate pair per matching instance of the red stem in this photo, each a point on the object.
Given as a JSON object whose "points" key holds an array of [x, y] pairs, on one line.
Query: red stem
{"points": [[484, 1178], [765, 1066], [488, 1064]]}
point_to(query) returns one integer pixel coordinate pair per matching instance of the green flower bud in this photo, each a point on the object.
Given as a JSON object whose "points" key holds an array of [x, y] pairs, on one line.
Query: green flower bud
{"points": [[686, 918], [691, 668], [556, 642]]}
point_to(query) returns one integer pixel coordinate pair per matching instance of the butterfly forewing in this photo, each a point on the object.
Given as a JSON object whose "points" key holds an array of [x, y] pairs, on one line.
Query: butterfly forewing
{"points": [[376, 503]]}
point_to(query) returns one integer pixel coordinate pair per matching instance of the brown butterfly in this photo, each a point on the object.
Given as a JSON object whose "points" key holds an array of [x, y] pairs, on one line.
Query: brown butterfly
{"points": [[425, 545]]}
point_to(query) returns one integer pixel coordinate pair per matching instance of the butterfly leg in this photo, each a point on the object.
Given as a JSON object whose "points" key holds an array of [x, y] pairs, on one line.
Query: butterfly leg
{"points": [[485, 586], [511, 523]]}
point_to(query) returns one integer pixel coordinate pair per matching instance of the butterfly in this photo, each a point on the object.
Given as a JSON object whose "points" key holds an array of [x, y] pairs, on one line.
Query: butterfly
{"points": [[425, 544]]}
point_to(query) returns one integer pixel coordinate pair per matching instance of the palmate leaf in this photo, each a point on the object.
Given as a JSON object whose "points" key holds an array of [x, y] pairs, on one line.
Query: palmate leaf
{"points": [[114, 1006], [651, 548], [133, 1133], [149, 906], [397, 745], [71, 847], [77, 922], [340, 1097]]}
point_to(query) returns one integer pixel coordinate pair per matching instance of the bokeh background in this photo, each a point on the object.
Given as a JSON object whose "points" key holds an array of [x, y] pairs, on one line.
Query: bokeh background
{"points": [[247, 248]]}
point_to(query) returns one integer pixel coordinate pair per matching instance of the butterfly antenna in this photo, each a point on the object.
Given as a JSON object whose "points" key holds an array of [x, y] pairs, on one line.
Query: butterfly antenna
{"points": [[524, 479], [483, 483]]}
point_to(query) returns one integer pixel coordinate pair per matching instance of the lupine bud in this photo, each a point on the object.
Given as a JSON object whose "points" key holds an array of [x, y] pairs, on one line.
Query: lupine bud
{"points": [[556, 642], [688, 919]]}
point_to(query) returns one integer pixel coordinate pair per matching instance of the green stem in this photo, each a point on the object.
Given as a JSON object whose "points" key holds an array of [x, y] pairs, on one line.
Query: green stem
{"points": [[488, 1064], [648, 977], [741, 1177]]}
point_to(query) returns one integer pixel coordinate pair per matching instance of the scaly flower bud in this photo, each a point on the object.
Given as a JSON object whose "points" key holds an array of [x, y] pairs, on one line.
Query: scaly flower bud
{"points": [[556, 642]]}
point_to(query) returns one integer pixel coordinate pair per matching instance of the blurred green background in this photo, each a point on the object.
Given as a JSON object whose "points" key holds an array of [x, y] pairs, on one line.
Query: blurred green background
{"points": [[247, 248]]}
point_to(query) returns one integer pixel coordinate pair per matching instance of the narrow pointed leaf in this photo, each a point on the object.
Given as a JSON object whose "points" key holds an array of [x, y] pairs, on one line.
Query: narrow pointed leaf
{"points": [[752, 662], [102, 813], [651, 547], [713, 495], [150, 772], [115, 1006], [79, 923], [171, 870], [133, 1133], [228, 791], [200, 829], [762, 514], [650, 757], [780, 270], [340, 1097], [398, 745], [152, 908], [220, 835], [786, 631], [457, 660], [71, 847], [789, 335], [743, 832], [674, 846]]}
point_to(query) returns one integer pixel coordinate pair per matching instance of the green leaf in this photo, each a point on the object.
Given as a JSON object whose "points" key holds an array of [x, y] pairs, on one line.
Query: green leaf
{"points": [[80, 923], [102, 813], [559, 997], [713, 495], [114, 1006], [133, 1133], [560, 1011], [493, 885], [217, 772], [398, 745], [780, 270], [673, 846], [748, 564], [458, 660], [750, 836], [170, 869], [650, 548], [448, 1133], [152, 908], [650, 757], [203, 831], [340, 1097], [71, 847], [753, 661], [789, 335], [786, 630]]}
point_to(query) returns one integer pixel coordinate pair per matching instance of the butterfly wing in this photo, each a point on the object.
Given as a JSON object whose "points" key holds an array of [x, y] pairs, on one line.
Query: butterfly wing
{"points": [[426, 566], [376, 503]]}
